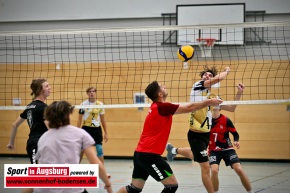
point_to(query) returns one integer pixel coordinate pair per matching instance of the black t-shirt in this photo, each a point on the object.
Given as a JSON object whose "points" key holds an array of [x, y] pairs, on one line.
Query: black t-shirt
{"points": [[34, 115]]}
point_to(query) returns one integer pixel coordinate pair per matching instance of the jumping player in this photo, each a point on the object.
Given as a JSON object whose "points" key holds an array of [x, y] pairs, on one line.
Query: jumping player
{"points": [[147, 156]]}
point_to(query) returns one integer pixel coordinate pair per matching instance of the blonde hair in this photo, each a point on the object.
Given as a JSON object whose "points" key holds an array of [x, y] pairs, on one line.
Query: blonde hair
{"points": [[90, 88]]}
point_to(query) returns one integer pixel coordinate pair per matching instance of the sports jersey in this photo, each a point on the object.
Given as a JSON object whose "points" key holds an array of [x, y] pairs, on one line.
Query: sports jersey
{"points": [[91, 116], [156, 128], [34, 113], [219, 134], [200, 120], [62, 146]]}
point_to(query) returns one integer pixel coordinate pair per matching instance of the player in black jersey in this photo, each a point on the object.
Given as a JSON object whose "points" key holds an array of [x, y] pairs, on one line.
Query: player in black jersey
{"points": [[34, 116]]}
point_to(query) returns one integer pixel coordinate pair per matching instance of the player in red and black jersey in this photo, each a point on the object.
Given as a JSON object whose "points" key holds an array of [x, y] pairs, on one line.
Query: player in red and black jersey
{"points": [[219, 134], [152, 143], [221, 148]]}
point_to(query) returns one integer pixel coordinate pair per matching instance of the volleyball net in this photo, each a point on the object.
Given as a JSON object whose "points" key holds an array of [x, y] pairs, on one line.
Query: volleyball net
{"points": [[121, 62]]}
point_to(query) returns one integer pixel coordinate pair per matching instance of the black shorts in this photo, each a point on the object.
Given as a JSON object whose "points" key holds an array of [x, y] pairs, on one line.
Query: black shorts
{"points": [[96, 133], [198, 143], [31, 149], [146, 164], [229, 156]]}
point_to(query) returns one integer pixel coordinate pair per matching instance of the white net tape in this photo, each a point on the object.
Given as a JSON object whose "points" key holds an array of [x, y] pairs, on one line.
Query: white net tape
{"points": [[248, 102]]}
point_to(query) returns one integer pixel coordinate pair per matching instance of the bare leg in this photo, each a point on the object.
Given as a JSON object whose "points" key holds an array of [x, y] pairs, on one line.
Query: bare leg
{"points": [[185, 152], [205, 176], [140, 183], [173, 151], [122, 190], [170, 180], [214, 176], [101, 158], [135, 182], [27, 190], [243, 177]]}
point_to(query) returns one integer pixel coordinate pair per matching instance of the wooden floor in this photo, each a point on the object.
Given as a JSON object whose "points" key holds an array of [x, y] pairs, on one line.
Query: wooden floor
{"points": [[265, 177]]}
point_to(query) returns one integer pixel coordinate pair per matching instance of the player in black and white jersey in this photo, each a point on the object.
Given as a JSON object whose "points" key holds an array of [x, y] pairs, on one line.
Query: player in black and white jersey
{"points": [[200, 124], [40, 90]]}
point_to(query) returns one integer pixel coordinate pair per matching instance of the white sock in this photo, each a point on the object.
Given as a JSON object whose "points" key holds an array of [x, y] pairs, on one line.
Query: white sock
{"points": [[216, 192], [173, 151], [251, 191]]}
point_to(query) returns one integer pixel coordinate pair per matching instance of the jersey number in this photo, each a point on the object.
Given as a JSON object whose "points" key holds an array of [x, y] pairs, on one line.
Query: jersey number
{"points": [[215, 136], [205, 121]]}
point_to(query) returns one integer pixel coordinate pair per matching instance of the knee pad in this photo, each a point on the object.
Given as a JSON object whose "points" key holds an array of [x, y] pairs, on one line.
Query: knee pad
{"points": [[132, 189], [99, 149], [170, 188]]}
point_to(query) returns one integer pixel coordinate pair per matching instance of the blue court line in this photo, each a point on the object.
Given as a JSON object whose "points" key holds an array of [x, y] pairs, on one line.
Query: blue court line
{"points": [[269, 187]]}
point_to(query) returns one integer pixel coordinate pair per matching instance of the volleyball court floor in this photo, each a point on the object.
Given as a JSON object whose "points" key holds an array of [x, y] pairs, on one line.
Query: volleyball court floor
{"points": [[265, 177]]}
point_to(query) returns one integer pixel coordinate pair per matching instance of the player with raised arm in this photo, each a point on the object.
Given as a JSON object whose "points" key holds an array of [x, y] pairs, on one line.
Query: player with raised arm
{"points": [[200, 122], [187, 152], [156, 130]]}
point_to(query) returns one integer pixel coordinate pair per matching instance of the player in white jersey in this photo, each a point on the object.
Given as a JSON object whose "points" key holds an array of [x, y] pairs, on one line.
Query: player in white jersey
{"points": [[200, 123], [93, 121]]}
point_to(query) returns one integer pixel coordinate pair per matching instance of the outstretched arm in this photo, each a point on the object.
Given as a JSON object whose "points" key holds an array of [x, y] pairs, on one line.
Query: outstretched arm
{"points": [[221, 76], [15, 126], [93, 159], [197, 105], [232, 108]]}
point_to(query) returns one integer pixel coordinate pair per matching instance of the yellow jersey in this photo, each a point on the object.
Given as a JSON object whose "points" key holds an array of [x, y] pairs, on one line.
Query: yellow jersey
{"points": [[200, 120], [91, 117]]}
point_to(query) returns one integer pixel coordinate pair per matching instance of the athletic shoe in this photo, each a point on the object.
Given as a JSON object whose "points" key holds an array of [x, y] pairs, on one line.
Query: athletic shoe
{"points": [[170, 156]]}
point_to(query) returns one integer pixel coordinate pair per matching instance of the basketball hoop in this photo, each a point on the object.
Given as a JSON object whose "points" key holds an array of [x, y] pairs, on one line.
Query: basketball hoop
{"points": [[206, 45]]}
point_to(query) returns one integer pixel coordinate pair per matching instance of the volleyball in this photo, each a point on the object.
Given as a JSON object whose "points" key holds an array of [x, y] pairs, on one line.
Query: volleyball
{"points": [[185, 53]]}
